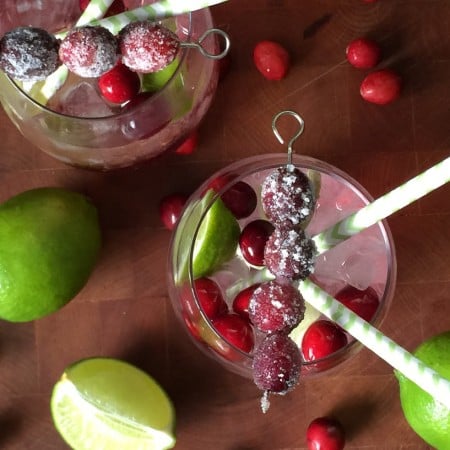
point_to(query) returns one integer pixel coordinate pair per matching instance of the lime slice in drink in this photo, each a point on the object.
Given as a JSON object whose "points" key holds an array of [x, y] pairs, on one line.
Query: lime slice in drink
{"points": [[216, 240], [311, 315], [155, 81], [102, 403]]}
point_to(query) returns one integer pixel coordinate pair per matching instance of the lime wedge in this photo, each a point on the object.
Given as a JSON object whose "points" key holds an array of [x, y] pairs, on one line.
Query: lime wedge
{"points": [[155, 81], [216, 240], [102, 403], [311, 315]]}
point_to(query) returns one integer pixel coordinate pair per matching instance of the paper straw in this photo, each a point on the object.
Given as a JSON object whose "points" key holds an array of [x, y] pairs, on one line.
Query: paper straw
{"points": [[384, 206], [155, 11], [396, 356], [44, 91]]}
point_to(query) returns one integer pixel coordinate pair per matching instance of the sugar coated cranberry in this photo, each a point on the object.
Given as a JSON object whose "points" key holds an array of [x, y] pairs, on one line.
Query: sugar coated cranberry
{"points": [[276, 307], [363, 53], [252, 241], [325, 433], [28, 54], [236, 330], [170, 209], [89, 51], [276, 364], [189, 144], [290, 254], [365, 302], [240, 199], [287, 196], [119, 85], [147, 47], [242, 300], [210, 298], [381, 87], [322, 338], [271, 59]]}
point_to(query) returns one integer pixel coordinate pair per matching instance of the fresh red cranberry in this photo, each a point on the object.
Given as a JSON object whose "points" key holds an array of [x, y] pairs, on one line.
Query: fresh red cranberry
{"points": [[236, 330], [189, 144], [240, 199], [170, 209], [242, 300], [119, 85], [271, 59], [117, 7], [89, 51], [287, 196], [147, 47], [362, 302], [276, 364], [210, 298], [381, 87], [252, 241], [325, 433], [276, 307], [363, 53], [322, 338]]}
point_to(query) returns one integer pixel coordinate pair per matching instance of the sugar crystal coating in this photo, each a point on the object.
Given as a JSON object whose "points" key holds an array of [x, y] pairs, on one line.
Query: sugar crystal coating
{"points": [[287, 196], [290, 254], [28, 54], [276, 364], [89, 51], [276, 307], [147, 47]]}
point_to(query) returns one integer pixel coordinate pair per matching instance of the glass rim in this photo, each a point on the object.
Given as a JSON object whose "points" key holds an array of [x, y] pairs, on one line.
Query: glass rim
{"points": [[306, 162], [122, 112]]}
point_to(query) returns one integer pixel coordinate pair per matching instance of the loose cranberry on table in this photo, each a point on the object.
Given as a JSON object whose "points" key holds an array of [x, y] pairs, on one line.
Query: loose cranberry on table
{"points": [[210, 298], [325, 433], [170, 208], [119, 85], [189, 144], [271, 59], [362, 302], [322, 338], [252, 241], [381, 87], [242, 300], [236, 330], [363, 53]]}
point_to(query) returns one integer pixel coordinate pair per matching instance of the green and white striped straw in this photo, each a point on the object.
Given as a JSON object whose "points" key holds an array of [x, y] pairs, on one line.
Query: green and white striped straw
{"points": [[384, 206], [44, 91], [155, 11], [395, 355]]}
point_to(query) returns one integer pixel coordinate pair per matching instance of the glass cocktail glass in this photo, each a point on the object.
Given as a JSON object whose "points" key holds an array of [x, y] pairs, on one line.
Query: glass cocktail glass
{"points": [[79, 128], [366, 260]]}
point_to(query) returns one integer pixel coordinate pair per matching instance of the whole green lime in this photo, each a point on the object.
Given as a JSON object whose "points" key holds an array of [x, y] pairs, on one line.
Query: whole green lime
{"points": [[427, 416], [49, 242]]}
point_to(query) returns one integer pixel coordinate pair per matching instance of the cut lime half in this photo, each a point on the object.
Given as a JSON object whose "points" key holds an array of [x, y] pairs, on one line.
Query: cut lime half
{"points": [[108, 404], [215, 242]]}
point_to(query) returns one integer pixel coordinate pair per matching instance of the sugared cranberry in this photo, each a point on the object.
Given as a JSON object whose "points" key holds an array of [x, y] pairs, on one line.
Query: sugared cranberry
{"points": [[325, 433], [236, 330], [242, 300], [119, 85], [276, 364], [363, 53], [170, 209], [210, 298], [290, 254], [287, 196], [28, 54], [362, 302], [189, 144], [147, 47], [240, 199], [252, 241], [271, 60], [89, 51], [381, 87], [322, 338], [276, 307]]}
